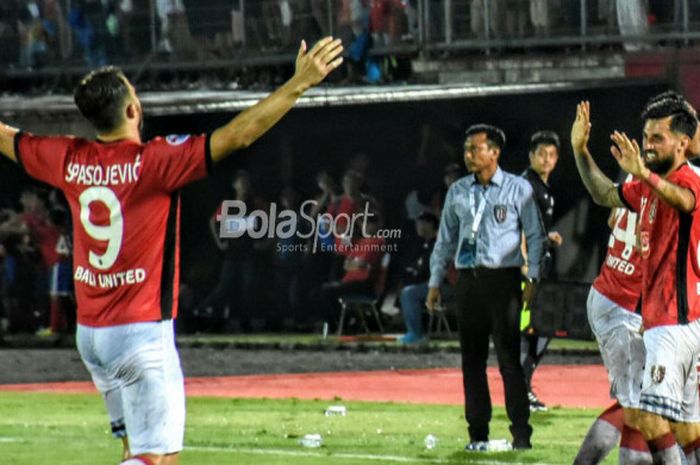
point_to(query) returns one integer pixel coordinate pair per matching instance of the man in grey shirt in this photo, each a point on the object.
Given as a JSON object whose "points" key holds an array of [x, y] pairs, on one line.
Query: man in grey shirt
{"points": [[484, 216]]}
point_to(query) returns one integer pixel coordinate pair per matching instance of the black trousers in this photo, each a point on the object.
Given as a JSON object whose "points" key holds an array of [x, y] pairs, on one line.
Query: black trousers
{"points": [[488, 304]]}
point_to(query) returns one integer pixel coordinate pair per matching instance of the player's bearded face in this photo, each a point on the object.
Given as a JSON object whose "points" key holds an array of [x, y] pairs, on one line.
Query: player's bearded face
{"points": [[658, 163], [661, 146]]}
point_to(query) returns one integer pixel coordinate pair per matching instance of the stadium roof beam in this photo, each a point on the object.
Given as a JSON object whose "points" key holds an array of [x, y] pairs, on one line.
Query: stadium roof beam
{"points": [[204, 101]]}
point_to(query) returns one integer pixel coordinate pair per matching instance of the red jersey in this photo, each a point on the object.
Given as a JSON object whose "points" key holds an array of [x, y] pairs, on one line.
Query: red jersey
{"points": [[45, 236], [125, 204], [668, 241], [370, 251], [620, 277]]}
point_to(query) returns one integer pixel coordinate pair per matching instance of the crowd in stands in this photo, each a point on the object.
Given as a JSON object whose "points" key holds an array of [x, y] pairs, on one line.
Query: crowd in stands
{"points": [[37, 33]]}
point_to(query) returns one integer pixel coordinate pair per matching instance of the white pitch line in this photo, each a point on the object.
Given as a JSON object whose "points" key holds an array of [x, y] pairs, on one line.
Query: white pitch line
{"points": [[12, 440], [348, 456]]}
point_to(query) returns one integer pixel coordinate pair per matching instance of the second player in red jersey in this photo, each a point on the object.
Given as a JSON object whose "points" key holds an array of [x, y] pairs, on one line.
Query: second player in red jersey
{"points": [[668, 241]]}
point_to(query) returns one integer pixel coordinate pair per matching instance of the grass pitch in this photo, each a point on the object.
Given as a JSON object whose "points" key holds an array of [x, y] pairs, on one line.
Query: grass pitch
{"points": [[47, 429]]}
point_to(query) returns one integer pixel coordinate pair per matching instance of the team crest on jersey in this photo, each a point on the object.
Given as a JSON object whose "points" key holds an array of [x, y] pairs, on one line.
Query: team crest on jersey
{"points": [[652, 211], [177, 139], [657, 373], [644, 244], [500, 212]]}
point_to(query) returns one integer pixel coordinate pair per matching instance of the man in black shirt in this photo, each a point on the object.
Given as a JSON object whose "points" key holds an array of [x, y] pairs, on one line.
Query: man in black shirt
{"points": [[544, 154]]}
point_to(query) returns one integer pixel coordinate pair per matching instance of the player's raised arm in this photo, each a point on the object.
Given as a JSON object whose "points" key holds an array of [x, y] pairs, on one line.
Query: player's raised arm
{"points": [[7, 141], [602, 189], [629, 157], [312, 67]]}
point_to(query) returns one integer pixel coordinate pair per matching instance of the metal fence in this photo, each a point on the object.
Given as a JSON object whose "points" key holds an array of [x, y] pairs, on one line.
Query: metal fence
{"points": [[39, 33]]}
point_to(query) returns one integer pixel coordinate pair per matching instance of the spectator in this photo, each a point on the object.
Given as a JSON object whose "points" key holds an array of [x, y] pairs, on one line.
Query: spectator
{"points": [[541, 16], [233, 292], [362, 262], [321, 15], [352, 201], [516, 18], [57, 30], [632, 21], [289, 253], [379, 21], [125, 15], [174, 28], [32, 36], [477, 11], [62, 308], [415, 280], [452, 173]]}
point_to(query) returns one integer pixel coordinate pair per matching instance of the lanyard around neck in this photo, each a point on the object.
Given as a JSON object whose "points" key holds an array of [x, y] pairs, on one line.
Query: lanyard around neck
{"points": [[477, 212]]}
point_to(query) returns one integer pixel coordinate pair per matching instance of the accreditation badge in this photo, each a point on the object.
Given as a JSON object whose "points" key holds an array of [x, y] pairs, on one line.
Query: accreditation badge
{"points": [[467, 253]]}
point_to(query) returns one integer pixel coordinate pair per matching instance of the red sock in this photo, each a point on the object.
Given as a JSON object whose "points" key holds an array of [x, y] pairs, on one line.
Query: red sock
{"points": [[693, 446], [662, 443], [614, 416], [633, 439]]}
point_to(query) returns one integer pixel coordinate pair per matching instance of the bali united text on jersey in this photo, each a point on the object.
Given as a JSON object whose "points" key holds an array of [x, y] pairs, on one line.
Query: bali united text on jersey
{"points": [[668, 243], [620, 277], [125, 204]]}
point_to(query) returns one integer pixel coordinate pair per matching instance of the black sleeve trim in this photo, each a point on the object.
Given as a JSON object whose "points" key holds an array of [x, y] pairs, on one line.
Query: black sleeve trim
{"points": [[623, 199], [207, 153], [18, 157]]}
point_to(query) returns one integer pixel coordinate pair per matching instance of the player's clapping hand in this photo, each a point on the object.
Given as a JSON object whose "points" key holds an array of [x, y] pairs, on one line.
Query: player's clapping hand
{"points": [[581, 129], [314, 65], [627, 154]]}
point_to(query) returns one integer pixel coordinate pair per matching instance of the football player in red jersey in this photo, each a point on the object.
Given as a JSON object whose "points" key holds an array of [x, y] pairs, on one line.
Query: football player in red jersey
{"points": [[123, 196], [663, 195], [613, 315]]}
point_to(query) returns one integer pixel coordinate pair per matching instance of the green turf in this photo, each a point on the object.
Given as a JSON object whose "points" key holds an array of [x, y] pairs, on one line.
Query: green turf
{"points": [[72, 429]]}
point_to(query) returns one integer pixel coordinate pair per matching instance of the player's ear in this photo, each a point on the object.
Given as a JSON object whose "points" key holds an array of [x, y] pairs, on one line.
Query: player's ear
{"points": [[131, 111]]}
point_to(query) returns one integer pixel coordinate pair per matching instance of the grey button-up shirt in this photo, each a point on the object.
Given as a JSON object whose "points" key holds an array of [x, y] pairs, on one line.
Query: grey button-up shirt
{"points": [[509, 210]]}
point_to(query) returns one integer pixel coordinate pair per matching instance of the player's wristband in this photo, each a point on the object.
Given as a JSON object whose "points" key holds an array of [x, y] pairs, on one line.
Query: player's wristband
{"points": [[653, 180]]}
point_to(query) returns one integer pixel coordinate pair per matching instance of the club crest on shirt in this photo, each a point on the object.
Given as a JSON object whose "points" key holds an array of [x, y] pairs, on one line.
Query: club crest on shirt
{"points": [[177, 139], [644, 244], [500, 212], [657, 373]]}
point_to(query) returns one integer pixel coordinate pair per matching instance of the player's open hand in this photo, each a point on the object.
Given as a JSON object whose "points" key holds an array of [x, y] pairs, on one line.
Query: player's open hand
{"points": [[314, 65], [627, 154], [581, 129]]}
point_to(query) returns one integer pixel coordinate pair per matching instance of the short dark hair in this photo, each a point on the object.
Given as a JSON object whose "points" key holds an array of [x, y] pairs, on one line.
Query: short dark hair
{"points": [[672, 104], [429, 217], [495, 135], [544, 137], [100, 96]]}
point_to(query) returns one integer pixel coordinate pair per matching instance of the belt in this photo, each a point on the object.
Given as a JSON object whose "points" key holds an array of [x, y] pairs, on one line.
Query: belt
{"points": [[483, 272]]}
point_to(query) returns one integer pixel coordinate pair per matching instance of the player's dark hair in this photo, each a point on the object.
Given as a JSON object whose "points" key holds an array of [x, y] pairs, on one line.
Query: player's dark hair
{"points": [[683, 119], [100, 97], [495, 135], [544, 137]]}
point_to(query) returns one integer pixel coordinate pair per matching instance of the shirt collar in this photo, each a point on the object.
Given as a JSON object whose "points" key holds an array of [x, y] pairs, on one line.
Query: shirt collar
{"points": [[496, 180]]}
